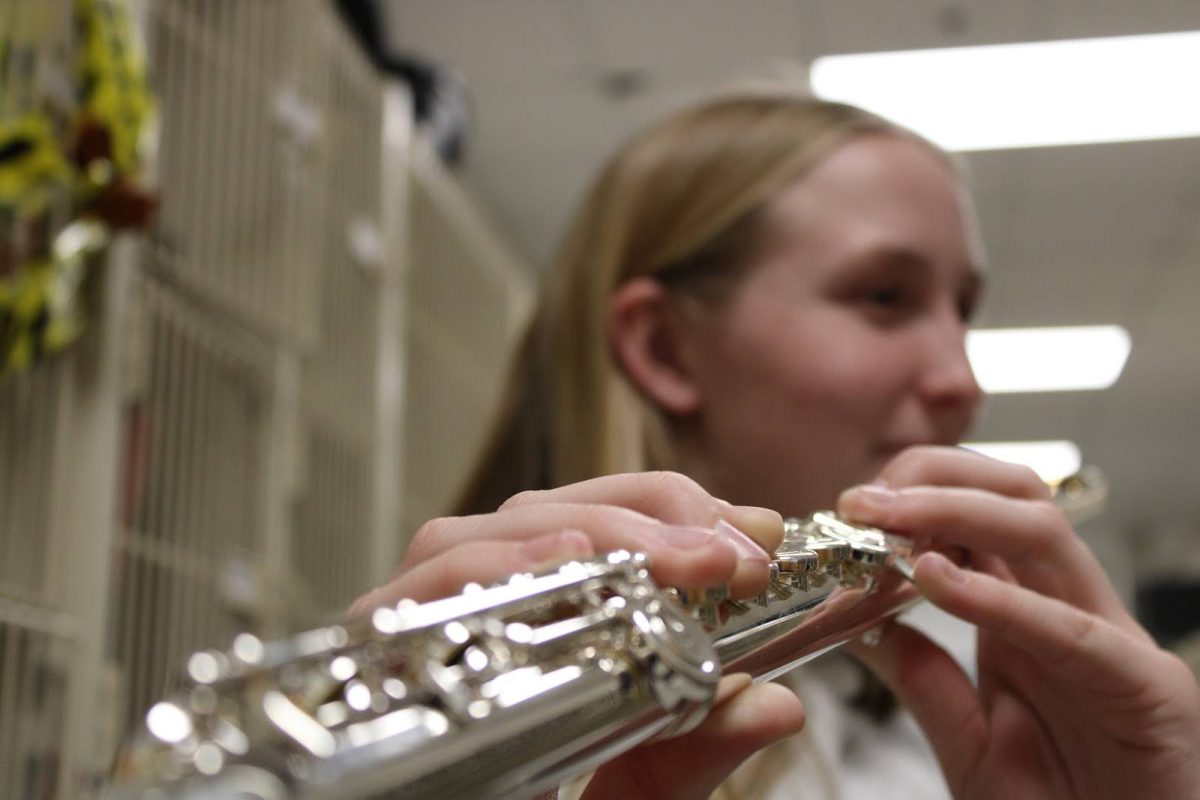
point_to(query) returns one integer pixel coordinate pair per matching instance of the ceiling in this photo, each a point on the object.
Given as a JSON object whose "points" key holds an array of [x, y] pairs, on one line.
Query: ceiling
{"points": [[1094, 234]]}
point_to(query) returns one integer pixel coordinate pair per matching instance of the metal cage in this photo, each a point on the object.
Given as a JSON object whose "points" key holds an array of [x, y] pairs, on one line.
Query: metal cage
{"points": [[225, 449]]}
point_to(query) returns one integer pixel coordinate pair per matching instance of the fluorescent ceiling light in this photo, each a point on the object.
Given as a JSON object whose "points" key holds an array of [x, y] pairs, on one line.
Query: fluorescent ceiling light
{"points": [[1047, 359], [1051, 460], [1077, 91]]}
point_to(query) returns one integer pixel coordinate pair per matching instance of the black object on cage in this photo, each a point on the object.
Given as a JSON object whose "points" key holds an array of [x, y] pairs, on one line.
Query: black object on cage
{"points": [[440, 103]]}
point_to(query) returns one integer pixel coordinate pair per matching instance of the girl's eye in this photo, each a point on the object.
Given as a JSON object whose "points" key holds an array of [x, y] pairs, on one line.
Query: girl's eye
{"points": [[886, 296], [890, 303], [968, 302], [966, 309]]}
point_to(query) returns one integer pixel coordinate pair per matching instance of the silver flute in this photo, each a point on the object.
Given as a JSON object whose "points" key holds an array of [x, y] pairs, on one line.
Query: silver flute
{"points": [[506, 691]]}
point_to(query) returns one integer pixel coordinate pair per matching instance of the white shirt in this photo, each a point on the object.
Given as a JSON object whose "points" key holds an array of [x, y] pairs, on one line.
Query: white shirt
{"points": [[842, 753]]}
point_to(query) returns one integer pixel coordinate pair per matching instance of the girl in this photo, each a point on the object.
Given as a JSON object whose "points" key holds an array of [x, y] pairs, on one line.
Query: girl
{"points": [[769, 295]]}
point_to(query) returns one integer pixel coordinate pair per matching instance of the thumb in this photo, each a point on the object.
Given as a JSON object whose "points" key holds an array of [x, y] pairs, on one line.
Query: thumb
{"points": [[934, 688], [693, 765]]}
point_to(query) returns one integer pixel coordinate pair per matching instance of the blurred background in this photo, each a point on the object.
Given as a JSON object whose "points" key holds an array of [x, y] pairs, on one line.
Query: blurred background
{"points": [[262, 263]]}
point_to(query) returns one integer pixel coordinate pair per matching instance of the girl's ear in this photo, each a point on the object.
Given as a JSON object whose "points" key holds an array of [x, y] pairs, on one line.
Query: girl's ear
{"points": [[652, 345]]}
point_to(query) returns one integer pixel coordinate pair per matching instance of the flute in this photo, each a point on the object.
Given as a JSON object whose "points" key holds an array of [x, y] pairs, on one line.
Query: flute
{"points": [[506, 691]]}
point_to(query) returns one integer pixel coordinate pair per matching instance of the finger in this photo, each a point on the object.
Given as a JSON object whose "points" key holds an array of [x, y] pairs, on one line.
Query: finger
{"points": [[1032, 536], [1085, 650], [667, 496], [931, 684], [957, 466], [476, 562], [973, 518], [693, 765], [989, 565], [679, 555]]}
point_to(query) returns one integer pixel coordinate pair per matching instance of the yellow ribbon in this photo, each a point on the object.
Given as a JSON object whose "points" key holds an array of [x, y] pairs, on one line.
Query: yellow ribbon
{"points": [[40, 311]]}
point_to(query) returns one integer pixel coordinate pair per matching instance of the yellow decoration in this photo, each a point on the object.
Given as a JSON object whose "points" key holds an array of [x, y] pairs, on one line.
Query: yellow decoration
{"points": [[113, 76], [32, 164], [94, 174]]}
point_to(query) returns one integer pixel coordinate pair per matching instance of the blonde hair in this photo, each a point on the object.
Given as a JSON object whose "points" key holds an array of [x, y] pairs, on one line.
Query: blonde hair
{"points": [[680, 201]]}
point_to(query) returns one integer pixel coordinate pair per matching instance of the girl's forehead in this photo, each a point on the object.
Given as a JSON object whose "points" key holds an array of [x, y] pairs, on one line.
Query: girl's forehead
{"points": [[878, 181], [873, 170], [870, 199]]}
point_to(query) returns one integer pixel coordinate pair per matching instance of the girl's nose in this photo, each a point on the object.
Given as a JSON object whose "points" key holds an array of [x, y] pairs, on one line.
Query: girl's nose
{"points": [[947, 379]]}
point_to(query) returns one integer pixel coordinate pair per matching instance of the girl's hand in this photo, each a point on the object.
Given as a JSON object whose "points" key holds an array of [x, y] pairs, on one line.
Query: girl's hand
{"points": [[693, 540], [1074, 698]]}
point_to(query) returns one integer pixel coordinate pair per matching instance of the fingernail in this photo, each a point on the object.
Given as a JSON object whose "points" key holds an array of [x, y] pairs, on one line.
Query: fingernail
{"points": [[747, 548], [556, 547], [685, 537], [947, 568], [365, 603], [866, 498], [763, 525], [730, 685]]}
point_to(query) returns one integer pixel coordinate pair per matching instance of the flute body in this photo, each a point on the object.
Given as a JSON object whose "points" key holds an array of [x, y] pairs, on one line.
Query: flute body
{"points": [[506, 691]]}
